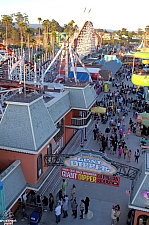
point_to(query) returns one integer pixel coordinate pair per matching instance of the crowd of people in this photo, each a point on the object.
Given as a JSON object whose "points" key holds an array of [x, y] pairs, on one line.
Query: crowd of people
{"points": [[122, 104]]}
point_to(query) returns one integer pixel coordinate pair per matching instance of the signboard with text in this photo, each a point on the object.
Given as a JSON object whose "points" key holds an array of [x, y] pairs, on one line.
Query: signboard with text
{"points": [[90, 167], [90, 177]]}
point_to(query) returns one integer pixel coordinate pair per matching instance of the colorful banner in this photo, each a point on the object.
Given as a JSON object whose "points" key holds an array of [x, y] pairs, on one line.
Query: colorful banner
{"points": [[90, 177]]}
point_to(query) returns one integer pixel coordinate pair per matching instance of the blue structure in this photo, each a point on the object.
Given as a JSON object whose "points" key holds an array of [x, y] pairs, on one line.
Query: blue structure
{"points": [[2, 201], [80, 76]]}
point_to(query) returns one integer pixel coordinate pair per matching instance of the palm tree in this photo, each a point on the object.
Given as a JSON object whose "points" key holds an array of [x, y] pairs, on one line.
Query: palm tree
{"points": [[22, 22], [29, 32], [33, 42], [21, 26], [45, 25], [39, 21], [6, 19]]}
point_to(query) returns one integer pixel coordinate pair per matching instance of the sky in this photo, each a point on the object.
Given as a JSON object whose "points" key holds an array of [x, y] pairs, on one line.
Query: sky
{"points": [[105, 14]]}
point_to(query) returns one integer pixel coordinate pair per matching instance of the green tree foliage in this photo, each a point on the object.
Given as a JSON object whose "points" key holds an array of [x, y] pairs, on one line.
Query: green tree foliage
{"points": [[7, 21], [70, 28]]}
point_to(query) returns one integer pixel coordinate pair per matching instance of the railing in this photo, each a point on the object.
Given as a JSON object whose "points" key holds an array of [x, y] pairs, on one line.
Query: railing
{"points": [[60, 133], [80, 121]]}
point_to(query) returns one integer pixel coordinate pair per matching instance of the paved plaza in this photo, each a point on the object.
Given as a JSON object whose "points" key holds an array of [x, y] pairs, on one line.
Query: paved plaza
{"points": [[102, 197]]}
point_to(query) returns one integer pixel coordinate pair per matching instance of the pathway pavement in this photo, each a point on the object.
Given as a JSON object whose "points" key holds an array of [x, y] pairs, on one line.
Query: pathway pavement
{"points": [[101, 197]]}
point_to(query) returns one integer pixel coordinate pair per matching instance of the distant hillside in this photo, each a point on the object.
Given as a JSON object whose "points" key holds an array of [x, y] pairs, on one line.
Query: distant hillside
{"points": [[35, 26]]}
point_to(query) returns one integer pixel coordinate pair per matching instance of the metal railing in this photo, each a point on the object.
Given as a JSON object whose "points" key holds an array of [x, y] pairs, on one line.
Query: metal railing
{"points": [[80, 121]]}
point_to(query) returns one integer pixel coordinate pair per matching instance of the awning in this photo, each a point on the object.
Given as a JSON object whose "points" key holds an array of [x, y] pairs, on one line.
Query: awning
{"points": [[98, 110], [141, 55]]}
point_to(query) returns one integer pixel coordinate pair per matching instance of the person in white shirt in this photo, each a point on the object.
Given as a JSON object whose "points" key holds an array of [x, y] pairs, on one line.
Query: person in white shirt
{"points": [[58, 212], [24, 198], [113, 216]]}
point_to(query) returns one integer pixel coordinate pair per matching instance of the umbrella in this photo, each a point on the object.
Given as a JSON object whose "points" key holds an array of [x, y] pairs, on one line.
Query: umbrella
{"points": [[98, 110], [145, 123], [144, 115]]}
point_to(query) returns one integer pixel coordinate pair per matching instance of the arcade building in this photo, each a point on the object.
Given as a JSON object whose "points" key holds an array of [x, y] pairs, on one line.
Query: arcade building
{"points": [[34, 125]]}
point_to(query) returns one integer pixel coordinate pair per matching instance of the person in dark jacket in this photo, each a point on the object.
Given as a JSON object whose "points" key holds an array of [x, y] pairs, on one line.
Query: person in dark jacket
{"points": [[86, 202], [45, 203], [51, 202]]}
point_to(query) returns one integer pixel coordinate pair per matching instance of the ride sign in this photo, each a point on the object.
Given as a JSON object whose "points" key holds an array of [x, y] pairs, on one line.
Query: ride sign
{"points": [[89, 177], [92, 168]]}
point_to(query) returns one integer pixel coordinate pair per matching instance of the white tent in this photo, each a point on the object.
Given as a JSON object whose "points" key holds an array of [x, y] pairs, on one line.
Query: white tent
{"points": [[82, 70]]}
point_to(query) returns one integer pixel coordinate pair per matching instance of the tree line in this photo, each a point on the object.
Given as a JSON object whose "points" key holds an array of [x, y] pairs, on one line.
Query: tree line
{"points": [[15, 29]]}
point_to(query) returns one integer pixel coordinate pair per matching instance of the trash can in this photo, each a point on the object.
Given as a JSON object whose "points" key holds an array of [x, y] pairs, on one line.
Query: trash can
{"points": [[34, 218], [39, 211]]}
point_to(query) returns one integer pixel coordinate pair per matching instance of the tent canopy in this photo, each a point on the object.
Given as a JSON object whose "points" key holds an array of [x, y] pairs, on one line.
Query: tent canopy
{"points": [[98, 110], [144, 115], [141, 55]]}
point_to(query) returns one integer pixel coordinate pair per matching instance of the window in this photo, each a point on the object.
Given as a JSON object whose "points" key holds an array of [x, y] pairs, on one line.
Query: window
{"points": [[49, 149], [49, 152], [39, 166], [60, 125], [143, 220]]}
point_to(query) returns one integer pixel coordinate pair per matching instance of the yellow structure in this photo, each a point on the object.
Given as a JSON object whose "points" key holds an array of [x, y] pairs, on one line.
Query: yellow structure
{"points": [[141, 77], [106, 86]]}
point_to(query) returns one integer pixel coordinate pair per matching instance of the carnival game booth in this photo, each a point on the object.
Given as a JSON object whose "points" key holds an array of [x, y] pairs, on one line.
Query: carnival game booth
{"points": [[84, 74], [140, 77], [128, 59]]}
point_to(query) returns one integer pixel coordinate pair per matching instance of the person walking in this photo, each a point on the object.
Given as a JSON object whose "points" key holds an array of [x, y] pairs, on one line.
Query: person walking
{"points": [[137, 155], [120, 133], [74, 206], [73, 191], [51, 202], [81, 208], [125, 151], [128, 133], [23, 211], [64, 185], [58, 212], [118, 212], [95, 133], [45, 203], [120, 151], [129, 156], [86, 202], [113, 216], [65, 208]]}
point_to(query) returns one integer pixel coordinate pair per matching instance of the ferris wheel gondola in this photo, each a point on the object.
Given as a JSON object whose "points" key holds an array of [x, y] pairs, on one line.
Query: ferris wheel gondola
{"points": [[140, 77]]}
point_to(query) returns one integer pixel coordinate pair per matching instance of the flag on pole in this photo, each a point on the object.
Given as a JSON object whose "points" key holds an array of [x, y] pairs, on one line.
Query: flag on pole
{"points": [[84, 9], [89, 11]]}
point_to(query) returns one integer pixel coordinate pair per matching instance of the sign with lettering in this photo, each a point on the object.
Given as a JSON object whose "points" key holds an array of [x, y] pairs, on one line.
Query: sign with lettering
{"points": [[90, 177], [90, 163]]}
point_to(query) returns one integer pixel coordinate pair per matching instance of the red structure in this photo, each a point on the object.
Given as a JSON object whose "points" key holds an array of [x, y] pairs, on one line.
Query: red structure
{"points": [[3, 48]]}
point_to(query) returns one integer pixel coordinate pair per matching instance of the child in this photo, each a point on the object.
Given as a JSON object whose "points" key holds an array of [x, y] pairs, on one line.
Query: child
{"points": [[125, 151]]}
